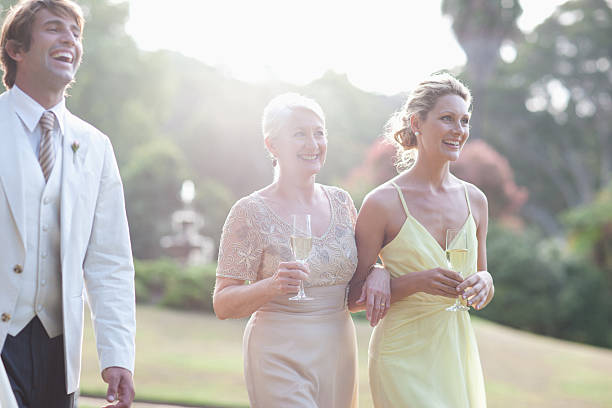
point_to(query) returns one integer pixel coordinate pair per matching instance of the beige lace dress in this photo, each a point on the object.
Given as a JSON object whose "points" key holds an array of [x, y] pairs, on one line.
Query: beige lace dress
{"points": [[296, 354]]}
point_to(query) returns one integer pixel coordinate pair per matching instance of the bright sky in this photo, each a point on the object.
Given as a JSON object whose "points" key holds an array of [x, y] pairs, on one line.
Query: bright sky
{"points": [[383, 46]]}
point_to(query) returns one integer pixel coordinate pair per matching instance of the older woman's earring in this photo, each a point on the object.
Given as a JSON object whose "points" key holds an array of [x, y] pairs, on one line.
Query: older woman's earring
{"points": [[417, 133]]}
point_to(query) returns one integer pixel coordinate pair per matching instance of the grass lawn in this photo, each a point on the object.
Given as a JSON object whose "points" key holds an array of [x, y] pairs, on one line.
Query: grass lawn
{"points": [[195, 358]]}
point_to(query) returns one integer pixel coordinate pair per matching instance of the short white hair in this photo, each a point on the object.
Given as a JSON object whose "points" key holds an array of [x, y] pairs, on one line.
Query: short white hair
{"points": [[278, 109]]}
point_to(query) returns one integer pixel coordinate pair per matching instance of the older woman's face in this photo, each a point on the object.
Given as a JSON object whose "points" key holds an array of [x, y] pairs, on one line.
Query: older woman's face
{"points": [[301, 146]]}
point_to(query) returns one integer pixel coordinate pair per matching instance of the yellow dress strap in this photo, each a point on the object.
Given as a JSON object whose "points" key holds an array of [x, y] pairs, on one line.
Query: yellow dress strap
{"points": [[401, 196], [467, 198]]}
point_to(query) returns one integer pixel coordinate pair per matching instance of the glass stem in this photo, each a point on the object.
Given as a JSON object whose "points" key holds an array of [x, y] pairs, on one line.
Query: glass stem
{"points": [[301, 290]]}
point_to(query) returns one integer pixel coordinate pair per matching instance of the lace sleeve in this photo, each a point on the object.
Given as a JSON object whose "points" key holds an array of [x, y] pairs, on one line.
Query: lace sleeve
{"points": [[240, 251], [346, 205], [352, 209]]}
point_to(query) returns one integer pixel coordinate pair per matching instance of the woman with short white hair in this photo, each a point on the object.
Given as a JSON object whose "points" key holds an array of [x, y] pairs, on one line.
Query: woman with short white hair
{"points": [[296, 353]]}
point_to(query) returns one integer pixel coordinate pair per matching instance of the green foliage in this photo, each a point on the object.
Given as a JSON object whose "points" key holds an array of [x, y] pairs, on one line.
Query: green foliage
{"points": [[354, 119], [483, 166], [525, 286], [590, 230], [113, 88], [549, 111], [213, 199], [541, 288], [152, 180], [164, 282]]}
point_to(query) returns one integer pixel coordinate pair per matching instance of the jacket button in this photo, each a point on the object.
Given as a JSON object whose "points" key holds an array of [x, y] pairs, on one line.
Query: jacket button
{"points": [[17, 268], [5, 317]]}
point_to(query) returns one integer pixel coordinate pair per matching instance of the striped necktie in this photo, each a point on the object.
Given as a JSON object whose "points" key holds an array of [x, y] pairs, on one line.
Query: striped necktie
{"points": [[46, 154]]}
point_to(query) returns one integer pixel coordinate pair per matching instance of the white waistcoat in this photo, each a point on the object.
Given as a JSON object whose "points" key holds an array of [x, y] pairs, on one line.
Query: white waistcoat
{"points": [[41, 292]]}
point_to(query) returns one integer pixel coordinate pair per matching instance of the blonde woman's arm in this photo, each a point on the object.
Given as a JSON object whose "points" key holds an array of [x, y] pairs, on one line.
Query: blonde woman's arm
{"points": [[370, 287], [478, 288]]}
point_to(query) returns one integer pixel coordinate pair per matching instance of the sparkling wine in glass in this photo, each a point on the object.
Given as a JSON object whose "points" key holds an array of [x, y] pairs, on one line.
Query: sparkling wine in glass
{"points": [[301, 244], [456, 256]]}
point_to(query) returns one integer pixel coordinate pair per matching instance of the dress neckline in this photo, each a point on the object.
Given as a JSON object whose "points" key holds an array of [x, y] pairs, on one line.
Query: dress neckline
{"points": [[287, 224], [409, 216], [429, 234]]}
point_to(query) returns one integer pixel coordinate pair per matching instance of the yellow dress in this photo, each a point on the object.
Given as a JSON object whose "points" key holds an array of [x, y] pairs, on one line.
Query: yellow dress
{"points": [[421, 355]]}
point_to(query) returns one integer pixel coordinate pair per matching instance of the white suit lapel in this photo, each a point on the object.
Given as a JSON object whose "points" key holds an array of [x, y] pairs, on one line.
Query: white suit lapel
{"points": [[72, 174], [12, 153]]}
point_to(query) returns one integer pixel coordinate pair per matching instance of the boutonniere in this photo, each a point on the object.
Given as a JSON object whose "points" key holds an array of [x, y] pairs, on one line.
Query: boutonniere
{"points": [[75, 147]]}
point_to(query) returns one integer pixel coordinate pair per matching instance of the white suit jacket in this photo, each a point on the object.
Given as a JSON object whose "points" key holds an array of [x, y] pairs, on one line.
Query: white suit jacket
{"points": [[95, 245], [7, 399]]}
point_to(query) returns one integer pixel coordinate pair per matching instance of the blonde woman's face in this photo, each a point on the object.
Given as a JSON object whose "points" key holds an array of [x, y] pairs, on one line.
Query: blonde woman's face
{"points": [[301, 145], [446, 128]]}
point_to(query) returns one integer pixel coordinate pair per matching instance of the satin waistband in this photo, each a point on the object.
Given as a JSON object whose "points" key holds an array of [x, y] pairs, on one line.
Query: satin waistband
{"points": [[325, 300], [419, 305]]}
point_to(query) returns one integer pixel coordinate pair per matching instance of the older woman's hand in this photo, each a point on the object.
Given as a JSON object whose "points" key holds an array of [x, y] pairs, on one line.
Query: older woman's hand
{"points": [[287, 278], [477, 289], [376, 293]]}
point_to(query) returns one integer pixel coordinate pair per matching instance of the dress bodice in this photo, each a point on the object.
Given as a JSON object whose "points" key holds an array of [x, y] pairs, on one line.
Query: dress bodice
{"points": [[415, 249], [255, 240]]}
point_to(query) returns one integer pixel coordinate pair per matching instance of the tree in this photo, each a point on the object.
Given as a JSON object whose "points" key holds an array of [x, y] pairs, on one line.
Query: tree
{"points": [[152, 180], [590, 231], [354, 120], [481, 27], [213, 200], [483, 166], [552, 110], [376, 168], [116, 87]]}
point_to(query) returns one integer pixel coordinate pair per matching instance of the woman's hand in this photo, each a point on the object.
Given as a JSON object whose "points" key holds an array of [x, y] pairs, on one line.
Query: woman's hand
{"points": [[477, 289], [376, 293], [287, 278], [439, 282]]}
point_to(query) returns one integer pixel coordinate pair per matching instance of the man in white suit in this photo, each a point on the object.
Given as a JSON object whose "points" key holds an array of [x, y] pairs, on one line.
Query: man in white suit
{"points": [[63, 226]]}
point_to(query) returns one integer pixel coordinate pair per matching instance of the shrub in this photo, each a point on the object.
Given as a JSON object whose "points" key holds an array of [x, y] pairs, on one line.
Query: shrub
{"points": [[541, 288], [166, 283]]}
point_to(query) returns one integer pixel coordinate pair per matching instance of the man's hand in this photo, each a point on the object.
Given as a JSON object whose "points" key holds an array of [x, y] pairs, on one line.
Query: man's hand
{"points": [[120, 387]]}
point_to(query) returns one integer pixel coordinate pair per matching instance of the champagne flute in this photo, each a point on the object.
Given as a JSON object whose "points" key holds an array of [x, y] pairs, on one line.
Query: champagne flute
{"points": [[301, 244], [456, 256]]}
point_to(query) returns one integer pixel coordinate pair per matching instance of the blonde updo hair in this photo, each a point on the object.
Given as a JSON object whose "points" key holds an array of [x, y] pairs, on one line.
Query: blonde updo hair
{"points": [[278, 110], [420, 102]]}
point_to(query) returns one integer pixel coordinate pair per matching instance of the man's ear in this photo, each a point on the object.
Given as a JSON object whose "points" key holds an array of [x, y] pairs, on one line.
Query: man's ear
{"points": [[14, 49]]}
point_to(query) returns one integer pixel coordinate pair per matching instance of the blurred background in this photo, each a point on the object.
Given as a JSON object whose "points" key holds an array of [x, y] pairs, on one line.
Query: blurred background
{"points": [[179, 87]]}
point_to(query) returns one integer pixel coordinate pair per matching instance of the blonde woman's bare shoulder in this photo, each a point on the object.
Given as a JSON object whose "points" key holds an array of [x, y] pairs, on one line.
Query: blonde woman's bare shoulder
{"points": [[479, 203], [381, 196], [477, 197]]}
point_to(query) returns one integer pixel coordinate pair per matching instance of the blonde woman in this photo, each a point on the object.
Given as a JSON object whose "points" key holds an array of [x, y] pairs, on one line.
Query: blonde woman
{"points": [[422, 355], [296, 353]]}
